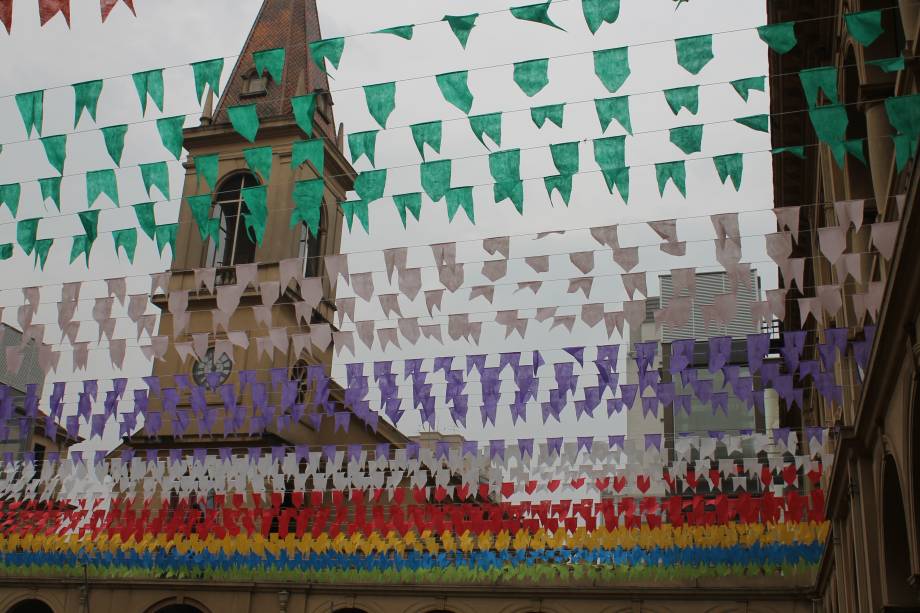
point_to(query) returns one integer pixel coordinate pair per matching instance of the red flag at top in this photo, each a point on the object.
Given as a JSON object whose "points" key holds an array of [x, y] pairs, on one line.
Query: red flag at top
{"points": [[6, 14], [49, 8], [106, 7]]}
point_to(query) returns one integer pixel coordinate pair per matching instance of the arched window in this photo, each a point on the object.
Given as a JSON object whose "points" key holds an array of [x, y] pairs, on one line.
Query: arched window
{"points": [[311, 246], [254, 84], [30, 606], [236, 245]]}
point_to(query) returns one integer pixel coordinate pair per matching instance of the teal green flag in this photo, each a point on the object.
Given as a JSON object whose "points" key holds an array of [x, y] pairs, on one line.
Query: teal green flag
{"points": [[9, 195], [435, 178], [815, 79], [370, 185], [780, 37], [889, 65], [149, 83], [201, 213], [304, 109], [612, 67], [731, 165], [114, 137], [101, 182], [745, 86], [599, 12], [245, 120], [206, 168], [694, 52], [460, 197], [404, 32], [609, 109], [127, 240], [796, 150], [312, 151], [42, 247], [428, 133], [487, 125], [683, 98], [381, 100], [531, 76], [259, 160], [170, 129], [308, 204], [51, 190], [31, 106], [166, 236], [26, 234], [904, 114], [865, 26], [454, 88], [565, 157], [461, 26], [145, 218], [856, 148], [256, 213], [610, 155], [207, 73], [80, 246], [761, 123], [328, 49], [271, 61], [551, 112], [56, 151], [538, 13], [353, 208], [363, 143], [156, 174], [90, 222], [561, 184], [87, 98], [6, 251], [411, 202], [675, 172], [505, 167], [688, 139], [905, 149]]}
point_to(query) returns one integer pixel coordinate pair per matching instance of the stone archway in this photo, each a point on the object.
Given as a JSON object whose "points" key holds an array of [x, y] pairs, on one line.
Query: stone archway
{"points": [[895, 543], [31, 605]]}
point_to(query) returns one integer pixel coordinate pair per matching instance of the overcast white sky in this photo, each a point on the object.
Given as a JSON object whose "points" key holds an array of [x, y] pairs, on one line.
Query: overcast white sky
{"points": [[175, 32]]}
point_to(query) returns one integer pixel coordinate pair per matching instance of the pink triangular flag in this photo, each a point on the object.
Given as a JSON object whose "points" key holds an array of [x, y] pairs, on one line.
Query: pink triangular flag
{"points": [[829, 296], [493, 270], [343, 339], [678, 250], [884, 237], [106, 6], [788, 217], [567, 321], [390, 304], [320, 336], [239, 338], [583, 261], [634, 281], [458, 326], [365, 331], [433, 331], [387, 336], [445, 254], [850, 212], [539, 263], [500, 245], [410, 282], [582, 284], [343, 307], [544, 313], [606, 235], [634, 313], [408, 327], [451, 276], [291, 268], [614, 321], [363, 285], [394, 259], [486, 291], [311, 290], [592, 314], [80, 355], [833, 242], [725, 225], [433, 300], [666, 229], [246, 275], [626, 258], [262, 315]]}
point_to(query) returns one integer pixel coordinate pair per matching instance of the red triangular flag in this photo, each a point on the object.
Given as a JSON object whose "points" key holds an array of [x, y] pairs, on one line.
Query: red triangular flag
{"points": [[49, 8], [6, 14], [106, 7]]}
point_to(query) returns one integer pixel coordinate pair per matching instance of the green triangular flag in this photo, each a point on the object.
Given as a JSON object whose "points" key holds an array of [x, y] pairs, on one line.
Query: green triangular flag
{"points": [[694, 52], [565, 157], [170, 129], [460, 197], [166, 236], [201, 213], [328, 49], [761, 123], [308, 204], [551, 112], [370, 185], [351, 208], [87, 98], [245, 120], [411, 202], [889, 65], [312, 151], [9, 195], [435, 178], [561, 184], [815, 79], [381, 100], [779, 36], [126, 239], [6, 251], [304, 110], [510, 190], [688, 139], [531, 76], [612, 67], [796, 150], [610, 155], [101, 182], [56, 151], [26, 233], [609, 109], [745, 86], [904, 114], [271, 60], [114, 137], [145, 218], [487, 125], [673, 171], [865, 26], [599, 12], [256, 212], [363, 143], [31, 106], [905, 148], [51, 190], [259, 160], [42, 247], [206, 167], [454, 88], [149, 83], [731, 165], [538, 13], [207, 73], [505, 167], [427, 133], [683, 98], [854, 147], [156, 174], [80, 246], [461, 25], [90, 222], [404, 32]]}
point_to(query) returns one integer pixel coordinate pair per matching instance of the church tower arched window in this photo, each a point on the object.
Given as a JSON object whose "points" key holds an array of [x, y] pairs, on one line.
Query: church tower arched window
{"points": [[236, 245]]}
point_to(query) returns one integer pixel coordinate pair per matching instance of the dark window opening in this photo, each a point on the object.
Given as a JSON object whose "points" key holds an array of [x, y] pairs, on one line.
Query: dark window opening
{"points": [[236, 244]]}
